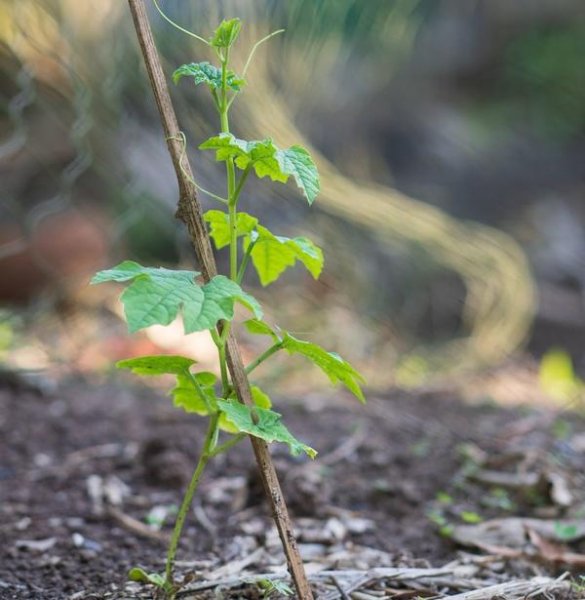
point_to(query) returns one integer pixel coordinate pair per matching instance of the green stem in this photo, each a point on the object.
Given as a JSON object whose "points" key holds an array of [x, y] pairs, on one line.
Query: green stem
{"points": [[236, 439], [215, 337], [245, 261], [225, 382], [206, 454], [199, 390], [225, 332], [241, 183], [220, 340], [231, 172], [265, 355], [233, 225]]}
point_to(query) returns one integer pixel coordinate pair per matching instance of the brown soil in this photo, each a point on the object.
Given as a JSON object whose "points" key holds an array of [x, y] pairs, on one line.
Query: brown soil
{"points": [[384, 462]]}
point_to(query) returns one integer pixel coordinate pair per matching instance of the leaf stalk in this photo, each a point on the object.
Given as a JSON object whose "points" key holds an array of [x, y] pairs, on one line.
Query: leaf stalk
{"points": [[264, 356]]}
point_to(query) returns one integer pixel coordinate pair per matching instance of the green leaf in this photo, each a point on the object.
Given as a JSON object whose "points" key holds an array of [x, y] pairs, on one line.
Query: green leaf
{"points": [[269, 426], [204, 72], [337, 369], [185, 393], [220, 295], [268, 161], [566, 531], [309, 254], [469, 516], [260, 399], [186, 396], [557, 376], [270, 586], [156, 296], [260, 154], [227, 32], [129, 270], [272, 255], [156, 365], [219, 226], [297, 161], [258, 327], [141, 576]]}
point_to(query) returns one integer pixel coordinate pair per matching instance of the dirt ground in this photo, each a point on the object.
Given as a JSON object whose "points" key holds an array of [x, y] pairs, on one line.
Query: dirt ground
{"points": [[89, 472]]}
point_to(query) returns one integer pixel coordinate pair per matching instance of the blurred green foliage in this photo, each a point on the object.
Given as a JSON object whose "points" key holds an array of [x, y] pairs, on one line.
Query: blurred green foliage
{"points": [[540, 85]]}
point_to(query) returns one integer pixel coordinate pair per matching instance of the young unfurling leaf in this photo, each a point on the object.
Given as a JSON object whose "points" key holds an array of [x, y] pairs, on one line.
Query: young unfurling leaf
{"points": [[268, 161], [267, 425], [226, 34], [156, 296]]}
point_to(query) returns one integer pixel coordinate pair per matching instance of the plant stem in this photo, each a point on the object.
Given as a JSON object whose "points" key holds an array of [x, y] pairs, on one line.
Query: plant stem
{"points": [[219, 338], [231, 173], [245, 261], [241, 183], [206, 454], [233, 225], [265, 355], [236, 439], [225, 383], [198, 390]]}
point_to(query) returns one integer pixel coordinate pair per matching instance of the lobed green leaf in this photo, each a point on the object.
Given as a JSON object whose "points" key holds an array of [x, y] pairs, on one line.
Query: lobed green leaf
{"points": [[272, 255], [186, 395], [260, 398], [207, 73], [226, 34], [268, 161], [297, 161], [156, 296], [257, 327], [268, 427], [336, 368], [259, 154]]}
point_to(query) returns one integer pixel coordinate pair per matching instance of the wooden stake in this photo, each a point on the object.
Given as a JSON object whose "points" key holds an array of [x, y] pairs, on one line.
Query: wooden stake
{"points": [[189, 211]]}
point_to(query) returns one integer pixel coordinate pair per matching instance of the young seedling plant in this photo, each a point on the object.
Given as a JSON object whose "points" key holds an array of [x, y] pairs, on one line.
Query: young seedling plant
{"points": [[157, 296]]}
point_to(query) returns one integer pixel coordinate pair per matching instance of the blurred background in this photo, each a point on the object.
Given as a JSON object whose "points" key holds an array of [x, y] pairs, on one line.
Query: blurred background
{"points": [[450, 136]]}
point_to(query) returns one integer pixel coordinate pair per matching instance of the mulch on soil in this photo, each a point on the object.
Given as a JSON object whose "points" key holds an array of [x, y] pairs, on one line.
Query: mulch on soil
{"points": [[90, 476]]}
